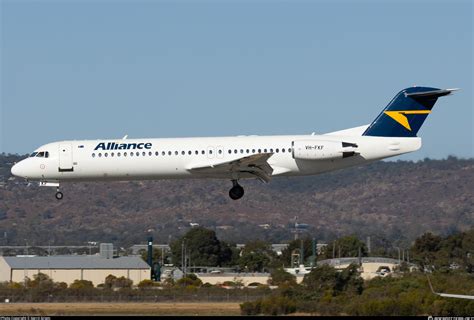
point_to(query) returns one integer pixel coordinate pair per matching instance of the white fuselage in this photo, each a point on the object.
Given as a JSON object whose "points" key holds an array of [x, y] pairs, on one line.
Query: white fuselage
{"points": [[175, 158]]}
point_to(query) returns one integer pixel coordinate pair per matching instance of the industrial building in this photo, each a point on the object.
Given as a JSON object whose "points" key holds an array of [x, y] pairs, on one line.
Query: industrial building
{"points": [[66, 269]]}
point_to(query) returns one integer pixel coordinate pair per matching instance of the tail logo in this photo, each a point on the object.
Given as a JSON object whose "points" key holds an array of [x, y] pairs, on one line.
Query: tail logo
{"points": [[401, 118]]}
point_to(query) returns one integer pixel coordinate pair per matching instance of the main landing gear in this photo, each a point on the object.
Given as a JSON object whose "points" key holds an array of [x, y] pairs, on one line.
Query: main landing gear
{"points": [[236, 192]]}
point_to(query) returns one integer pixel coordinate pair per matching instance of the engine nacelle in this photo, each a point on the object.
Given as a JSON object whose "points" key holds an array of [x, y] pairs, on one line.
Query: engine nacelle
{"points": [[322, 150]]}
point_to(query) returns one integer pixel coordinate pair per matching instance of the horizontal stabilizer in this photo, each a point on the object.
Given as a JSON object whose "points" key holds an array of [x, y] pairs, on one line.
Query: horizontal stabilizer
{"points": [[433, 93]]}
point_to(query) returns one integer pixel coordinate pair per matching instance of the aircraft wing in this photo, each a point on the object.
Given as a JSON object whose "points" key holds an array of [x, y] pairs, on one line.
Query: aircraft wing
{"points": [[256, 165]]}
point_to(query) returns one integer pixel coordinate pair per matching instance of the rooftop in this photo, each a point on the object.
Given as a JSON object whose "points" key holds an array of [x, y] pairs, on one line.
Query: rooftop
{"points": [[75, 262]]}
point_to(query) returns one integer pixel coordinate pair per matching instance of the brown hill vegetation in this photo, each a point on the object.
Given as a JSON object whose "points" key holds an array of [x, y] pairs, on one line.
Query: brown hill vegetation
{"points": [[390, 201]]}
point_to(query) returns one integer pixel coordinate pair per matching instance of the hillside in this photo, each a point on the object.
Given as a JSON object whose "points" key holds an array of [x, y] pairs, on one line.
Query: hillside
{"points": [[390, 201]]}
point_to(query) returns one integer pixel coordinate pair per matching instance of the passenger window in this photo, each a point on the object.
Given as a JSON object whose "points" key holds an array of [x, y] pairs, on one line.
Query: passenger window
{"points": [[253, 150], [190, 152], [277, 150], [163, 153], [93, 155], [265, 150], [230, 151], [100, 154], [118, 154], [248, 151], [271, 150], [259, 150], [220, 151], [106, 154], [143, 153], [196, 152], [203, 152], [241, 150], [131, 154], [111, 154], [183, 153], [156, 153], [235, 150], [124, 154], [169, 153]]}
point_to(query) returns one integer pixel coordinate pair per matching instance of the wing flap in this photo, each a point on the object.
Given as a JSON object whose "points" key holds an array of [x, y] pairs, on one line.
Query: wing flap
{"points": [[255, 164]]}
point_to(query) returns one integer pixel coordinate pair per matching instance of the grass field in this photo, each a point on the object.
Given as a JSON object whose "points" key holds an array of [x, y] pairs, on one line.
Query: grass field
{"points": [[132, 308]]}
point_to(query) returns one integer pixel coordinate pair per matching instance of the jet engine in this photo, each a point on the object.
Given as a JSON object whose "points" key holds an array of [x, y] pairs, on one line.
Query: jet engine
{"points": [[323, 150]]}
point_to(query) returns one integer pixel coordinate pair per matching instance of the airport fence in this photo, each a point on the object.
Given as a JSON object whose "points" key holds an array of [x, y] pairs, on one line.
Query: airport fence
{"points": [[170, 297]]}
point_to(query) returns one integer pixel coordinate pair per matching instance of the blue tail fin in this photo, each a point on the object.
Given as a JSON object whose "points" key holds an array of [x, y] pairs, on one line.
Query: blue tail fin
{"points": [[405, 114]]}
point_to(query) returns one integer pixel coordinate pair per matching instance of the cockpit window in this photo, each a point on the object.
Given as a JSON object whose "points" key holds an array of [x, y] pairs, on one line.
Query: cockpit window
{"points": [[40, 154]]}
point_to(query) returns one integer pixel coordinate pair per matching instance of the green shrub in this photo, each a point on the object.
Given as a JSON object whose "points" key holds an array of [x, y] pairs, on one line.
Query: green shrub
{"points": [[276, 305], [250, 308]]}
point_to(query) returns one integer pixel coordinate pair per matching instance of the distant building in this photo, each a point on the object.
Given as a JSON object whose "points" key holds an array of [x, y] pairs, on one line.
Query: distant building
{"points": [[68, 268], [369, 267]]}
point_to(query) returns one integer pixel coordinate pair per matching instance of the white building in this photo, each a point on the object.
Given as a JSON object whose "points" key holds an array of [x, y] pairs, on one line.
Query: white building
{"points": [[69, 268]]}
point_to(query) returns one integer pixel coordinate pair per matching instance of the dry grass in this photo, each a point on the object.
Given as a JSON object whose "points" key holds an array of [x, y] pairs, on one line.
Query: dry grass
{"points": [[132, 308]]}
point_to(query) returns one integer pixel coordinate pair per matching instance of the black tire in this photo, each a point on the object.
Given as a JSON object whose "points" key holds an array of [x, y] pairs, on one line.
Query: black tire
{"points": [[59, 195], [236, 192]]}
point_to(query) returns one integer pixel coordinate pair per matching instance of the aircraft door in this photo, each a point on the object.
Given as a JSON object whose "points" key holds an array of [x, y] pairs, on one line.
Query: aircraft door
{"points": [[65, 158]]}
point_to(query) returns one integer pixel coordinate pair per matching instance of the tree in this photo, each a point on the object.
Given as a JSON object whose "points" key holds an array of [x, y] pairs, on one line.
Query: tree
{"points": [[202, 248], [347, 247], [109, 281], [81, 285], [257, 256], [112, 281], [40, 280], [349, 280], [321, 278], [279, 277], [190, 280], [425, 249], [146, 284], [122, 282], [326, 278]]}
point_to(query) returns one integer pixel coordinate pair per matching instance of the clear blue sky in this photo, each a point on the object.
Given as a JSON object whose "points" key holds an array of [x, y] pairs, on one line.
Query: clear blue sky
{"points": [[103, 69]]}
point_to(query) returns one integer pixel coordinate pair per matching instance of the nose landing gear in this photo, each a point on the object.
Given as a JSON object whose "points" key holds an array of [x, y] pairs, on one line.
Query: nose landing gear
{"points": [[59, 195], [236, 192]]}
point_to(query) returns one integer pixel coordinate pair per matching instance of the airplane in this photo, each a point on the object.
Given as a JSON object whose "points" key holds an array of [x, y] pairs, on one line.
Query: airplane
{"points": [[449, 295], [392, 133]]}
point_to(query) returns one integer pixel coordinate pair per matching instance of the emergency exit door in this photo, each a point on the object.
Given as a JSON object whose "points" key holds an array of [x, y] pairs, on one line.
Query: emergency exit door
{"points": [[65, 158]]}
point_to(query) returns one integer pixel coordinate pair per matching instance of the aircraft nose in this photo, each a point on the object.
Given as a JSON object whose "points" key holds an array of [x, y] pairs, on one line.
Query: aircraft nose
{"points": [[16, 169]]}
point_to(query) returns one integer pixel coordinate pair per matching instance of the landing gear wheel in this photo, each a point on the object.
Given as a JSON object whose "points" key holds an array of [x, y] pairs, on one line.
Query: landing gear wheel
{"points": [[236, 192], [59, 195]]}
